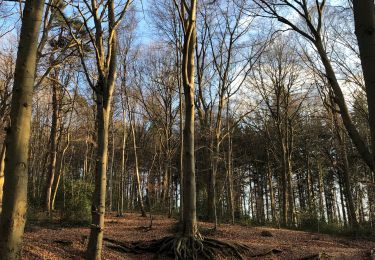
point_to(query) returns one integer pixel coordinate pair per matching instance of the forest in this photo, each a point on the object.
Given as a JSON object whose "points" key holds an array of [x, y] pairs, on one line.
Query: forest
{"points": [[187, 129]]}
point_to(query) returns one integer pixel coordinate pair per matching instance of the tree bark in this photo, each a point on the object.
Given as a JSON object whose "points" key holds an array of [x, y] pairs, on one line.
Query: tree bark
{"points": [[98, 205], [12, 221], [60, 170], [270, 185], [106, 68], [111, 171], [230, 170], [136, 167], [123, 160], [189, 196], [53, 146], [2, 164]]}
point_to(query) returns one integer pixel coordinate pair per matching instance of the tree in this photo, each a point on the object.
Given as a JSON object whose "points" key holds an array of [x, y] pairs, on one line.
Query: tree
{"points": [[105, 52], [311, 15], [189, 223], [12, 220], [189, 244], [277, 78]]}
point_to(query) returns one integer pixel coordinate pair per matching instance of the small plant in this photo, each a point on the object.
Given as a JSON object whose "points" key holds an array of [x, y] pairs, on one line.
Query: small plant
{"points": [[76, 208]]}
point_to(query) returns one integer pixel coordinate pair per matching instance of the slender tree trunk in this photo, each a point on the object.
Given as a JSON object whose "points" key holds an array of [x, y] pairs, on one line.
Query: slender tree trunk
{"points": [[345, 222], [212, 208], [270, 185], [181, 154], [212, 184], [98, 204], [290, 193], [371, 198], [2, 166], [320, 187], [230, 176], [60, 171], [345, 171], [12, 220], [122, 173], [111, 171], [53, 146], [136, 166], [284, 180], [136, 169], [103, 91], [348, 191]]}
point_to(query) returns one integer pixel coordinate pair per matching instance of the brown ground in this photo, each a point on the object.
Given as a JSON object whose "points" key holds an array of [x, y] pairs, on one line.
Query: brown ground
{"points": [[70, 243]]}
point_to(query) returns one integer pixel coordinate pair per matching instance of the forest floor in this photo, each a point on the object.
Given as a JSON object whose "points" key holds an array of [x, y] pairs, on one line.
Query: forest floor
{"points": [[56, 242]]}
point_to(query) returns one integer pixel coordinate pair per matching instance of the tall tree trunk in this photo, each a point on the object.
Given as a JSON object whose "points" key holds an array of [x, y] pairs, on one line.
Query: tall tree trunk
{"points": [[189, 200], [53, 146], [181, 161], [345, 222], [136, 167], [345, 171], [12, 220], [98, 204], [285, 195], [103, 91], [212, 210], [320, 187], [60, 170], [348, 191], [271, 189], [122, 173], [230, 172], [371, 198], [364, 19], [2, 164], [111, 171]]}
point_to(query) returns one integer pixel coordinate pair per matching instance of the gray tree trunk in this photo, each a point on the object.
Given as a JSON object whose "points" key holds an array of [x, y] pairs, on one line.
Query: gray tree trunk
{"points": [[189, 195]]}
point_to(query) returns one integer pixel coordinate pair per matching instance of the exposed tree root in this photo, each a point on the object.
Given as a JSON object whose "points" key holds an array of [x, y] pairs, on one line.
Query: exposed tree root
{"points": [[184, 247]]}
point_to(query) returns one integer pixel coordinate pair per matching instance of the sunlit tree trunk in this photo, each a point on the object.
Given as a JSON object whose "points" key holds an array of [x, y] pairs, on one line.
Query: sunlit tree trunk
{"points": [[321, 192], [103, 91], [136, 166], [229, 169], [271, 189], [122, 170], [60, 170], [12, 220], [2, 166], [53, 145], [111, 171], [98, 205]]}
